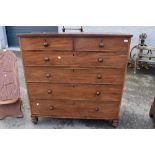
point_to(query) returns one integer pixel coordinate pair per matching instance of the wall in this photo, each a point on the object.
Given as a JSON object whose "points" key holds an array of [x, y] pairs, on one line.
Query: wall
{"points": [[3, 38], [135, 30]]}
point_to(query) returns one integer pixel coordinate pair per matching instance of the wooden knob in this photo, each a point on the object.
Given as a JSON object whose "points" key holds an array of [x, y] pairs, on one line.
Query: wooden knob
{"points": [[48, 75], [98, 93], [101, 44], [45, 44], [99, 76], [49, 91], [100, 59], [46, 59], [97, 109], [51, 108]]}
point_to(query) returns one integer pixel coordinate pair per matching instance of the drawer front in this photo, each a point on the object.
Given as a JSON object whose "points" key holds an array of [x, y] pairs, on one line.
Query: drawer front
{"points": [[75, 91], [102, 44], [74, 75], [75, 109], [46, 43], [78, 59]]}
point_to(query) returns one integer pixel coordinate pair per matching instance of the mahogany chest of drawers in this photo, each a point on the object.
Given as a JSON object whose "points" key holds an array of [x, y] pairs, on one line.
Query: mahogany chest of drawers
{"points": [[75, 75]]}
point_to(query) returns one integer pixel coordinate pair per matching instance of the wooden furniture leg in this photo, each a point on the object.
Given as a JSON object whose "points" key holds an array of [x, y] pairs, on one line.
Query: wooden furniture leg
{"points": [[11, 110], [34, 119], [152, 111], [115, 123]]}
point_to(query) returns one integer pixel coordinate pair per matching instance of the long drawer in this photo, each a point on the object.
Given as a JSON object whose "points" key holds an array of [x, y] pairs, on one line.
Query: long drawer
{"points": [[75, 109], [102, 44], [75, 91], [78, 59], [74, 75], [43, 43]]}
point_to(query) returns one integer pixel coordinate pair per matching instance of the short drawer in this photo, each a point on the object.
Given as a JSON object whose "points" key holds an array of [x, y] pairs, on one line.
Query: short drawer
{"points": [[102, 44], [75, 91], [74, 75], [46, 44], [78, 59], [75, 109]]}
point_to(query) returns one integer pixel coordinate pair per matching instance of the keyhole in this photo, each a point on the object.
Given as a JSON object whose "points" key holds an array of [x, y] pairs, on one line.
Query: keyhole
{"points": [[73, 54]]}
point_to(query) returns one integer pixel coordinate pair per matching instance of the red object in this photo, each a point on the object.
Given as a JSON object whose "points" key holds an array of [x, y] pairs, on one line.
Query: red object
{"points": [[10, 102]]}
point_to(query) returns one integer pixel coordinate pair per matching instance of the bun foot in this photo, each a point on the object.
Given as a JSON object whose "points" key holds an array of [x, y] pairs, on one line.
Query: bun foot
{"points": [[34, 120], [115, 123], [152, 112]]}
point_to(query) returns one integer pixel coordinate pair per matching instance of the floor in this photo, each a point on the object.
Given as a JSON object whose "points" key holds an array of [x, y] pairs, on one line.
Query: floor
{"points": [[138, 96]]}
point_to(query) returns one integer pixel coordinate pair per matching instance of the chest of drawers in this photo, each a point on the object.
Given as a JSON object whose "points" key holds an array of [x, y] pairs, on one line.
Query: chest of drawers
{"points": [[75, 75]]}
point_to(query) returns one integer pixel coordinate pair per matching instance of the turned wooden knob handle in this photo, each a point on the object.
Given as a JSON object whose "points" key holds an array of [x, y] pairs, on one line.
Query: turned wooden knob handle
{"points": [[51, 108], [101, 44], [100, 59], [97, 109], [46, 59], [48, 75], [98, 93], [45, 44], [99, 76], [49, 91]]}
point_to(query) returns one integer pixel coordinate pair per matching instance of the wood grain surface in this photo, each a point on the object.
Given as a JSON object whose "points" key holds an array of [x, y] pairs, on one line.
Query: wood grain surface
{"points": [[75, 109], [9, 86], [75, 75], [77, 59]]}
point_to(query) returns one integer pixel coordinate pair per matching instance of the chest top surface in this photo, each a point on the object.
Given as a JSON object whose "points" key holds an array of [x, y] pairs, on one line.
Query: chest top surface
{"points": [[72, 35]]}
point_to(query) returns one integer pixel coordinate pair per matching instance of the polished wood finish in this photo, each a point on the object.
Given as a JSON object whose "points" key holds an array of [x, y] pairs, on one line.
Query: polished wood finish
{"points": [[75, 91], [75, 75], [75, 109], [47, 43], [11, 110], [62, 35], [10, 102], [100, 44], [76, 59]]}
